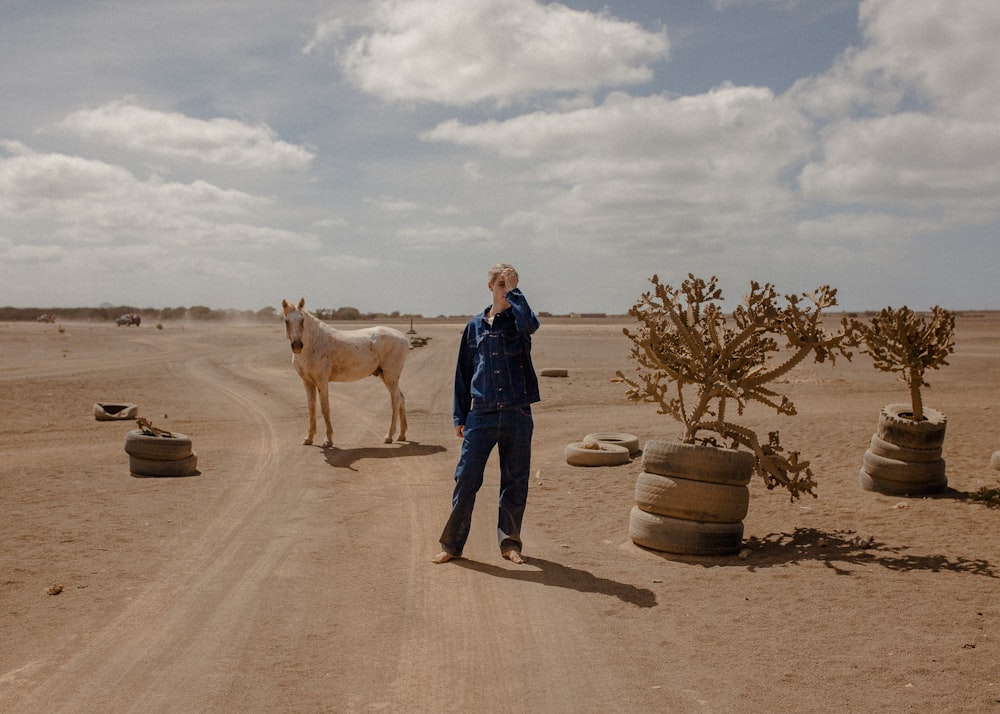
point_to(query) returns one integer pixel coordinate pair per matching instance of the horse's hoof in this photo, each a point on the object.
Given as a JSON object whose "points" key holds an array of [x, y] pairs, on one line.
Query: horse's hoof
{"points": [[327, 444], [387, 440]]}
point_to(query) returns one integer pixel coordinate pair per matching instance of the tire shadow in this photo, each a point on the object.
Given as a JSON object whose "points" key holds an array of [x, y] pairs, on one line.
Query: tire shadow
{"points": [[839, 550], [546, 572], [346, 458], [187, 475], [985, 496]]}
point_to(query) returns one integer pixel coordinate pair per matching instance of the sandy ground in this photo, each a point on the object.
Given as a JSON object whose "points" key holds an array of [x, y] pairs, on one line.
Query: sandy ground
{"points": [[289, 578]]}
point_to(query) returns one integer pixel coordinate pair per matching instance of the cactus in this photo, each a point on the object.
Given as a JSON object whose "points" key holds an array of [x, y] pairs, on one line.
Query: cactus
{"points": [[694, 361], [904, 342]]}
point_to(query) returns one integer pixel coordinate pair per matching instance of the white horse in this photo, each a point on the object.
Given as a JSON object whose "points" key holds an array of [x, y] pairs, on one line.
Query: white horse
{"points": [[323, 354]]}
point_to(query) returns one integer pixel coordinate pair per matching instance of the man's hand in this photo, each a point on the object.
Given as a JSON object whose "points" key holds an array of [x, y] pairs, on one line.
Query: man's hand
{"points": [[509, 278], [460, 431]]}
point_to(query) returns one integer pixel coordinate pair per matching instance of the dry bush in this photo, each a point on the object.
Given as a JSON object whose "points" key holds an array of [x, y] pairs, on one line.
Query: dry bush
{"points": [[698, 363], [903, 341]]}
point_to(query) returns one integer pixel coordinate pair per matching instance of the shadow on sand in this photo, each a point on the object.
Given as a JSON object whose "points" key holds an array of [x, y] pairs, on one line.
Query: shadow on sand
{"points": [[545, 572], [346, 458], [837, 550], [988, 497]]}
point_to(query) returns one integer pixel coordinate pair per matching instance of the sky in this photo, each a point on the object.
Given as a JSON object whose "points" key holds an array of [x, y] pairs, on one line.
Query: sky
{"points": [[383, 154]]}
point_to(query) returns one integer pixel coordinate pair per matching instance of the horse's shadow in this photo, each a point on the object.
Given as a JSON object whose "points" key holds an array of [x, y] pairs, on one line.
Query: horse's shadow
{"points": [[346, 458], [546, 572]]}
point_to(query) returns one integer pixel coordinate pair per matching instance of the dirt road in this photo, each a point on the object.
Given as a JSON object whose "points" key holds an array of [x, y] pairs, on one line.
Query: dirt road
{"points": [[289, 578], [292, 578]]}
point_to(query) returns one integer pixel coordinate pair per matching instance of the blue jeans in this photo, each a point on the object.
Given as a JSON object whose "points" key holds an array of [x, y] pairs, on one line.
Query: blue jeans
{"points": [[510, 431]]}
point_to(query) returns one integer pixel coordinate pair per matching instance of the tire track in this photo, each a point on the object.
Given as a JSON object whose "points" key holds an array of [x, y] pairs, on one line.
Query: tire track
{"points": [[170, 645]]}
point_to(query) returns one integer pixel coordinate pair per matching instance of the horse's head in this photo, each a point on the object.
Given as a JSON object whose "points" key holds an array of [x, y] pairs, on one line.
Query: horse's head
{"points": [[294, 320]]}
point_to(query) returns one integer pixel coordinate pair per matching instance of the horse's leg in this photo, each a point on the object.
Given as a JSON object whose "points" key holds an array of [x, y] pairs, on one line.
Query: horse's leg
{"points": [[324, 403], [392, 368], [311, 401], [402, 414], [398, 408]]}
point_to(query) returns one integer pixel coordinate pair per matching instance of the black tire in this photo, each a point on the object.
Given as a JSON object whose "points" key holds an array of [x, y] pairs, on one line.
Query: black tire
{"points": [[881, 447], [894, 427], [900, 488], [159, 448], [577, 454], [629, 441], [553, 372], [905, 471], [104, 411], [675, 535], [698, 463], [691, 500], [156, 467]]}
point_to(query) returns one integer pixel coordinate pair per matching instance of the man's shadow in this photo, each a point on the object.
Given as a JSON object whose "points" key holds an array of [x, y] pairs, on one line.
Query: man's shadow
{"points": [[562, 576], [346, 458]]}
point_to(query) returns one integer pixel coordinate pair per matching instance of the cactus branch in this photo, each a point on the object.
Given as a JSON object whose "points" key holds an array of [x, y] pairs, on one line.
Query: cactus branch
{"points": [[686, 344], [904, 342]]}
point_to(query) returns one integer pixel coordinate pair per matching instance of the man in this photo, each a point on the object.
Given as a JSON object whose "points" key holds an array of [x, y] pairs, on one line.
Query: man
{"points": [[495, 386]]}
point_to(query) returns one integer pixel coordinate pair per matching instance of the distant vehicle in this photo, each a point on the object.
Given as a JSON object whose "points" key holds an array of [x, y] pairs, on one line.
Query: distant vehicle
{"points": [[129, 318], [46, 317]]}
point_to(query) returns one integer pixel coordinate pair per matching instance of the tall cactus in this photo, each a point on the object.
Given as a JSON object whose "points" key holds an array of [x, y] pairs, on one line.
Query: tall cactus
{"points": [[902, 341], [693, 360]]}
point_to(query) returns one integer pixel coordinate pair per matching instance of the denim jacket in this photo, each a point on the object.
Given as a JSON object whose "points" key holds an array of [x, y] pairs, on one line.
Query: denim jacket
{"points": [[494, 369]]}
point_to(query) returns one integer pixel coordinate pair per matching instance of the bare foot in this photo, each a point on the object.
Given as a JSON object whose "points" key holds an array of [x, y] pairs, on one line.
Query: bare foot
{"points": [[515, 557], [443, 557]]}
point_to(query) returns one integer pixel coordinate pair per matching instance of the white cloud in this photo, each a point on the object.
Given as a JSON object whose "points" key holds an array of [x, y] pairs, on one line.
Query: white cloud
{"points": [[394, 205], [29, 254], [914, 160], [935, 55], [460, 52], [943, 52], [916, 110], [860, 233], [175, 136], [83, 201], [348, 262], [725, 4], [435, 237], [650, 169]]}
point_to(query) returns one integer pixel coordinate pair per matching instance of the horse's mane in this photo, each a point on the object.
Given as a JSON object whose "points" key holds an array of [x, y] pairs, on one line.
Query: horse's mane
{"points": [[314, 323]]}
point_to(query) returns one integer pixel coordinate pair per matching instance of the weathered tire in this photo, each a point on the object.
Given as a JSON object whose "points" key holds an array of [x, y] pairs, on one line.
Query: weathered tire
{"points": [[157, 467], [104, 411], [553, 372], [159, 448], [698, 463], [907, 471], [995, 460], [894, 427], [607, 455], [691, 500], [676, 535], [629, 441], [900, 488], [880, 447]]}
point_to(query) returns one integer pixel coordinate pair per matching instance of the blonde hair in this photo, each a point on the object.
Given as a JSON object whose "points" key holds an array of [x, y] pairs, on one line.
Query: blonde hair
{"points": [[497, 269]]}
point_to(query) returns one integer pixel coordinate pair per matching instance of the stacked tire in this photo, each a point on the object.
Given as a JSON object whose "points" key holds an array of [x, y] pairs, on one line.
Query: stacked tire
{"points": [[160, 455], [904, 457], [691, 499]]}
